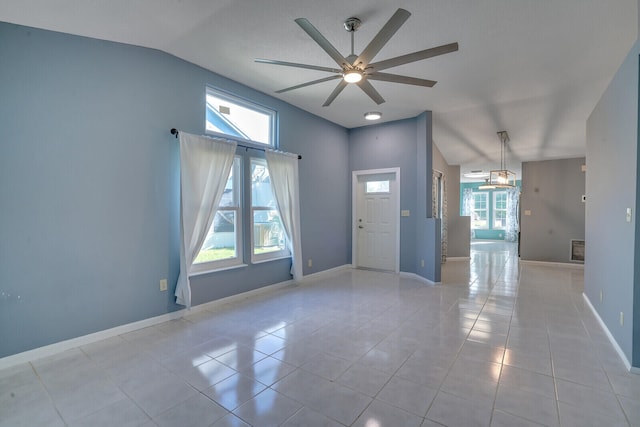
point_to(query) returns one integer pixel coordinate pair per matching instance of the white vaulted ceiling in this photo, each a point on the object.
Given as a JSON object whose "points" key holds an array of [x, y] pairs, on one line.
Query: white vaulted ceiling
{"points": [[533, 67]]}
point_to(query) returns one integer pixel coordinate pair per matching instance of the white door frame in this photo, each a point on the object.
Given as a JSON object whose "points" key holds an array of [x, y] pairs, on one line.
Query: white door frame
{"points": [[354, 209]]}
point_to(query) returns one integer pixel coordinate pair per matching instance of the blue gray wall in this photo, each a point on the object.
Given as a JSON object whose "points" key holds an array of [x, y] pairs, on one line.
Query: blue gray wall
{"points": [[406, 144], [89, 185], [552, 191], [612, 259], [391, 145]]}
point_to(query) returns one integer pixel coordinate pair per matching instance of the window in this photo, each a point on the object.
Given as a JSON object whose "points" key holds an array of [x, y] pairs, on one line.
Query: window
{"points": [[240, 119], [377, 187], [268, 238], [479, 214], [499, 210], [223, 245]]}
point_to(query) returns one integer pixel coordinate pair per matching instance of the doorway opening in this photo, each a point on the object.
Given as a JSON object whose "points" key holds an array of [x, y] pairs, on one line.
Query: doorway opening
{"points": [[376, 219]]}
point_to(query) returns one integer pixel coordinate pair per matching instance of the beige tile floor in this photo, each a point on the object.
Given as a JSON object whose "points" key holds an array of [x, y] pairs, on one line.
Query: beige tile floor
{"points": [[495, 344]]}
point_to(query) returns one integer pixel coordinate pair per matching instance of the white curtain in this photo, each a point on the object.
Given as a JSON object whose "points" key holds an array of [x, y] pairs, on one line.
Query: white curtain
{"points": [[512, 226], [467, 207], [283, 170], [439, 186], [205, 164]]}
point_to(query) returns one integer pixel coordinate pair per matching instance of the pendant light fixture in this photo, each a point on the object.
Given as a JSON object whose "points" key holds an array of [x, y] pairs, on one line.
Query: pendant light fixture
{"points": [[501, 178]]}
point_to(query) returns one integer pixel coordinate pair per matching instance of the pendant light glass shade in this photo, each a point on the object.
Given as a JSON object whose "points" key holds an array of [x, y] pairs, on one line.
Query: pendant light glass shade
{"points": [[501, 178]]}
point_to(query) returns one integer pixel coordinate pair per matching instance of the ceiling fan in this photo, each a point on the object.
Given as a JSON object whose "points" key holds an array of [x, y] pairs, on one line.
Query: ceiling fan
{"points": [[359, 69]]}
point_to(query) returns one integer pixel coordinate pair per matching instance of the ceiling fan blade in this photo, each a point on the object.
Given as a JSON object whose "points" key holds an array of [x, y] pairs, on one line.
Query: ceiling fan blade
{"points": [[415, 56], [383, 36], [323, 42], [371, 91], [326, 79], [335, 93], [295, 64], [394, 78]]}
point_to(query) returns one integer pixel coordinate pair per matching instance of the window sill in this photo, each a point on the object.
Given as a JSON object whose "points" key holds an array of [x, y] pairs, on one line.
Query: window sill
{"points": [[215, 270], [262, 261]]}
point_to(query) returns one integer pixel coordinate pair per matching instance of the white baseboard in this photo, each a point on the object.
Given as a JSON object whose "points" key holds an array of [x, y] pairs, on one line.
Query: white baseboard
{"points": [[553, 264], [458, 258], [613, 341], [238, 297], [417, 277], [324, 273], [59, 347]]}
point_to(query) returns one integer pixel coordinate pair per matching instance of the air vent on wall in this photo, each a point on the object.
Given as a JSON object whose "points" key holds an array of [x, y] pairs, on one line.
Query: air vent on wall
{"points": [[577, 250]]}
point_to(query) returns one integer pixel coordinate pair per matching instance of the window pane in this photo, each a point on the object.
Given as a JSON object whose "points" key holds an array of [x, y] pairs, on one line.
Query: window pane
{"points": [[261, 194], [500, 219], [268, 235], [499, 210], [479, 217], [377, 187], [229, 197], [220, 242], [239, 118]]}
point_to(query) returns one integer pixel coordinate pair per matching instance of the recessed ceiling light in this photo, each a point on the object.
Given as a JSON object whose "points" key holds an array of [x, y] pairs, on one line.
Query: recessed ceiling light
{"points": [[373, 115], [476, 175]]}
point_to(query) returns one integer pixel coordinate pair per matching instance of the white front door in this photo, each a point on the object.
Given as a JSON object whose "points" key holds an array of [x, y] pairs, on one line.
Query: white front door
{"points": [[376, 220]]}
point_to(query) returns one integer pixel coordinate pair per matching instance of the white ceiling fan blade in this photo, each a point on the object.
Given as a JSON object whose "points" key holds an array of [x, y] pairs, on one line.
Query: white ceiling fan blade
{"points": [[394, 78], [371, 91], [415, 56], [335, 93], [323, 42], [326, 79], [383, 36], [295, 64]]}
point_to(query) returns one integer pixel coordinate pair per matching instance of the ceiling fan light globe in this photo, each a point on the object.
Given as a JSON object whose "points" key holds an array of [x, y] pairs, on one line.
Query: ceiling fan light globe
{"points": [[352, 76]]}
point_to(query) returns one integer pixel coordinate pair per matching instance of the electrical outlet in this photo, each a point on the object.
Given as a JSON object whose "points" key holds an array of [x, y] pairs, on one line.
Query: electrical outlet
{"points": [[621, 319], [163, 284], [422, 263], [310, 262]]}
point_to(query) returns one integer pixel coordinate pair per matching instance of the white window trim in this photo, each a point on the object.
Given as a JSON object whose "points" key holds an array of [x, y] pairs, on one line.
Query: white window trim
{"points": [[237, 261], [486, 209], [495, 196], [267, 256], [273, 114]]}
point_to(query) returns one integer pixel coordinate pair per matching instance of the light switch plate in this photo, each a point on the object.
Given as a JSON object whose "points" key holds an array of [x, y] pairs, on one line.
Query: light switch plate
{"points": [[405, 212], [527, 212], [628, 214]]}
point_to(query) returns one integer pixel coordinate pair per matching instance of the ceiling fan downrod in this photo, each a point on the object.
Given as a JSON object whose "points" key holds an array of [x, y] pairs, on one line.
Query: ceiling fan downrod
{"points": [[351, 25]]}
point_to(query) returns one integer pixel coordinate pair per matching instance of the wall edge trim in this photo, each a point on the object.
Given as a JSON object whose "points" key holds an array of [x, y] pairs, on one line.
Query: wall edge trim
{"points": [[613, 341], [61, 346], [417, 277], [553, 264]]}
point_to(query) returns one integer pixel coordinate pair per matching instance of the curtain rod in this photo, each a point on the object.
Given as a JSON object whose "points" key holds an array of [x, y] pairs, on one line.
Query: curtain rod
{"points": [[175, 132]]}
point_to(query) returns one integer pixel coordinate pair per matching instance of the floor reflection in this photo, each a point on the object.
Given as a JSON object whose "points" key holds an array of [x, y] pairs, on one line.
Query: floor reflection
{"points": [[494, 344]]}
